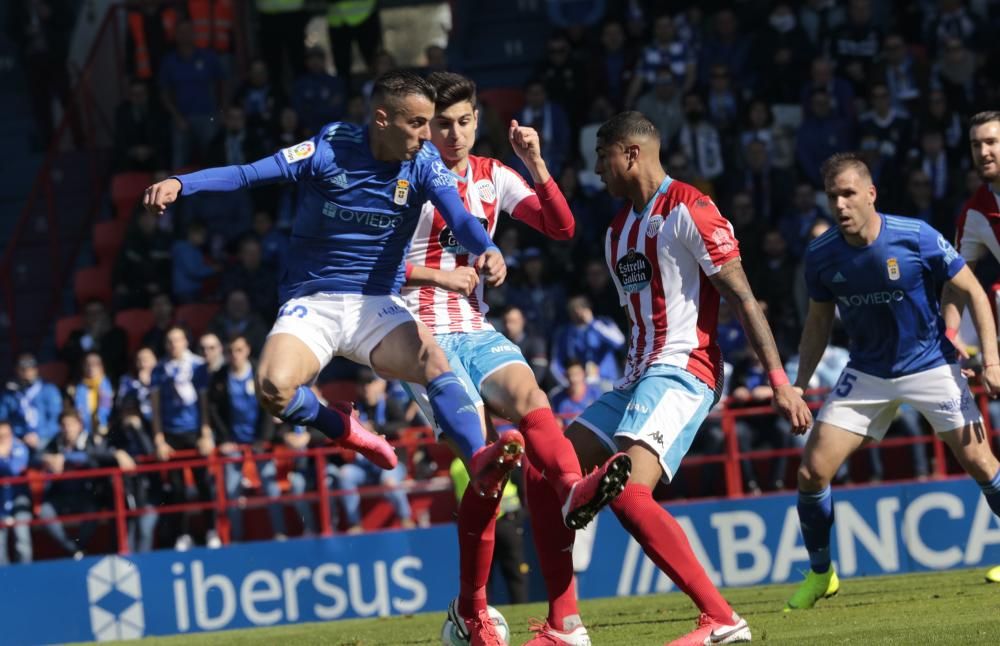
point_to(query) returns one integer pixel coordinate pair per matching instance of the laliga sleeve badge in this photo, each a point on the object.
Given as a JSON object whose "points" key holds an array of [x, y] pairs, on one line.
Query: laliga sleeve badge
{"points": [[892, 265], [402, 191], [298, 152]]}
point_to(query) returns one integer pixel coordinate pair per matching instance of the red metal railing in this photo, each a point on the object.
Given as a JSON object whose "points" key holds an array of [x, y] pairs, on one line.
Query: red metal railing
{"points": [[120, 514]]}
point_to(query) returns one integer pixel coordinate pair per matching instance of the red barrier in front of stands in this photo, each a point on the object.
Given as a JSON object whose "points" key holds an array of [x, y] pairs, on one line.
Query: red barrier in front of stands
{"points": [[413, 439]]}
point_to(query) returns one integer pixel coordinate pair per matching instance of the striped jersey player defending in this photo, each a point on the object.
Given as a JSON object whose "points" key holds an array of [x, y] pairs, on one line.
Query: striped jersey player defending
{"points": [[359, 199], [978, 230], [671, 253], [445, 293], [884, 274]]}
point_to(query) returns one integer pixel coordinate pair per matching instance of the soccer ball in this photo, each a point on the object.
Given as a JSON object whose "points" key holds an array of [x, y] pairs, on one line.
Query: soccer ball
{"points": [[450, 635]]}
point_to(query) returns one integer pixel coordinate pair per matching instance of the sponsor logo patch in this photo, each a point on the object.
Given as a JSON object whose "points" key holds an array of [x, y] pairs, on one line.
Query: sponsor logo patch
{"points": [[634, 271], [298, 152]]}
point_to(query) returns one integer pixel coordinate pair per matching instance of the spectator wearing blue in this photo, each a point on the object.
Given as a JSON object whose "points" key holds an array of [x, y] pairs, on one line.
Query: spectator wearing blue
{"points": [[93, 397], [260, 100], [273, 242], [532, 346], [382, 415], [191, 87], [572, 399], [318, 96], [31, 405], [594, 342], [237, 318], [162, 307], [15, 500], [253, 277], [795, 226], [667, 51], [190, 267], [72, 449], [240, 424], [821, 134], [552, 124], [725, 45], [539, 298], [97, 334], [130, 439], [179, 424]]}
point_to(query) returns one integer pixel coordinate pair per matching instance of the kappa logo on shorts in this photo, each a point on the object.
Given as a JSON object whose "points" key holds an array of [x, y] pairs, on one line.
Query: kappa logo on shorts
{"points": [[658, 436]]}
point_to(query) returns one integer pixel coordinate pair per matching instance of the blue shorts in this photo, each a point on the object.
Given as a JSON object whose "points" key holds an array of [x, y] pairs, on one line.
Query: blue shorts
{"points": [[663, 411], [473, 357]]}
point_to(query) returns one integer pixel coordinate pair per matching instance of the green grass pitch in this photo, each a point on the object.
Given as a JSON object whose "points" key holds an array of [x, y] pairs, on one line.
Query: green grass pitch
{"points": [[955, 607]]}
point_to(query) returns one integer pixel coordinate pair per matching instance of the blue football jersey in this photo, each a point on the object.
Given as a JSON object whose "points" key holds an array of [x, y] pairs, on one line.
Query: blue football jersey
{"points": [[888, 294], [354, 215]]}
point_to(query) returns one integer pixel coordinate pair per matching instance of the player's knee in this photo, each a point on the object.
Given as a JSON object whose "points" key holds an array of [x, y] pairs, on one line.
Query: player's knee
{"points": [[810, 479], [534, 399], [434, 360], [980, 465], [275, 389]]}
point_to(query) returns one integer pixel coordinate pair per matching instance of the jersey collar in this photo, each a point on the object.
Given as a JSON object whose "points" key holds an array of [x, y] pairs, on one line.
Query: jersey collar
{"points": [[664, 185]]}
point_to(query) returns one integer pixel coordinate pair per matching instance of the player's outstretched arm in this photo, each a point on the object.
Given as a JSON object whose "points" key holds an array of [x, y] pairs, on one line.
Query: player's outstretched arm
{"points": [[966, 288], [461, 279], [223, 178], [815, 337], [731, 281]]}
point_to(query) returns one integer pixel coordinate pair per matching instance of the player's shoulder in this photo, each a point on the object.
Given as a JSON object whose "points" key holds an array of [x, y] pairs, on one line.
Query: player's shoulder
{"points": [[683, 193], [342, 132], [428, 154], [982, 201], [825, 242], [902, 226]]}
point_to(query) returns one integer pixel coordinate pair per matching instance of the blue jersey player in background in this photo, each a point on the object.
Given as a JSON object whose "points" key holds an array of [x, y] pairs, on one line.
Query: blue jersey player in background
{"points": [[361, 190], [884, 274]]}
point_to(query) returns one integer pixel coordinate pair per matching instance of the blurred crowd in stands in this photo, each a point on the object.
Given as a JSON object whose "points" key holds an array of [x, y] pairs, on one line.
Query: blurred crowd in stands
{"points": [[749, 98]]}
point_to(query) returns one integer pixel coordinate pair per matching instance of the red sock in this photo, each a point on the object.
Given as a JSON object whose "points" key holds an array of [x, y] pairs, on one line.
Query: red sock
{"points": [[554, 543], [663, 540], [477, 519], [549, 450]]}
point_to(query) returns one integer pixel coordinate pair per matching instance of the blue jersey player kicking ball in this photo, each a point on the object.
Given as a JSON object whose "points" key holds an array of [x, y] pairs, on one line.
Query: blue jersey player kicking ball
{"points": [[361, 191], [885, 274]]}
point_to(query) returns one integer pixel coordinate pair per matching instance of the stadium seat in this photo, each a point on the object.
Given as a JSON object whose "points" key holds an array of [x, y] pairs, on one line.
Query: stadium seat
{"points": [[54, 372], [126, 189], [92, 283], [196, 316], [108, 238], [505, 100], [65, 326], [135, 322]]}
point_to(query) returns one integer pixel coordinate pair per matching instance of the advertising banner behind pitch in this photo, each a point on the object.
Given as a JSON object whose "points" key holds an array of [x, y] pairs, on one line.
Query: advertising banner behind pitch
{"points": [[879, 530]]}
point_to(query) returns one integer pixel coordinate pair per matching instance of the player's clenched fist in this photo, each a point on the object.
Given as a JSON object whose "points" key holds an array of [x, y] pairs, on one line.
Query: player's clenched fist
{"points": [[524, 141], [160, 195], [462, 280], [492, 265]]}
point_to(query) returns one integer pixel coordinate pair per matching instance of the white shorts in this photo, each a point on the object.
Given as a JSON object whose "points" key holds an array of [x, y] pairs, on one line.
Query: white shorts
{"points": [[866, 405], [337, 324]]}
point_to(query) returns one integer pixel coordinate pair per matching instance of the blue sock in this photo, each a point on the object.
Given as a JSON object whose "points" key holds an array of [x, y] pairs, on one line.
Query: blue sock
{"points": [[455, 413], [305, 410], [991, 490], [816, 519]]}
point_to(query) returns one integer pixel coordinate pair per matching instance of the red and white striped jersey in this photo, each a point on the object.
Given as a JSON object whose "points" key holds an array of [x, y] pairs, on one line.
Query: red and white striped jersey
{"points": [[488, 188], [978, 227], [660, 261]]}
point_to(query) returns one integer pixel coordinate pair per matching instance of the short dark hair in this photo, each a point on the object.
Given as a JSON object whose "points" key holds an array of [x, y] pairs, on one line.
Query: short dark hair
{"points": [[239, 336], [452, 88], [985, 116], [400, 83], [839, 162], [70, 413], [625, 125]]}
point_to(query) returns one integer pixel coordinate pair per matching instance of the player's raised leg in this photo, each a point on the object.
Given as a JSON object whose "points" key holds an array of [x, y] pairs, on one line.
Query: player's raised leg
{"points": [[513, 393], [287, 368], [410, 353]]}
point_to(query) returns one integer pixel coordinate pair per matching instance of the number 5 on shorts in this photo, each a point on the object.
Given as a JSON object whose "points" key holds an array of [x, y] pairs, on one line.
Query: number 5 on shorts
{"points": [[845, 384]]}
